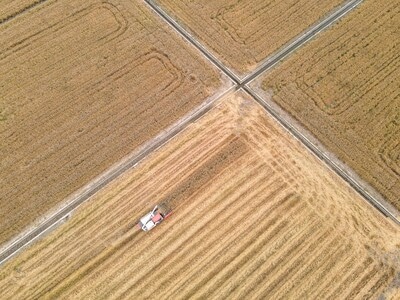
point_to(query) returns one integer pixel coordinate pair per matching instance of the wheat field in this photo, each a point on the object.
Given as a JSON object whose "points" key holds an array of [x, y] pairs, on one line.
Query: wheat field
{"points": [[254, 215]]}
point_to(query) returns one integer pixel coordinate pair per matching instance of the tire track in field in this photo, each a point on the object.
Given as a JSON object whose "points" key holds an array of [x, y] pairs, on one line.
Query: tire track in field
{"points": [[269, 227], [355, 273], [338, 271], [325, 264], [251, 248], [285, 249], [214, 165], [170, 237], [189, 228], [175, 234], [312, 252], [222, 239], [68, 282]]}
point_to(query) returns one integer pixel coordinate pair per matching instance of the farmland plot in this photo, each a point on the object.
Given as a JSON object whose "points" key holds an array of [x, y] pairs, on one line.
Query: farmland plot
{"points": [[344, 88], [83, 84], [243, 33], [254, 215]]}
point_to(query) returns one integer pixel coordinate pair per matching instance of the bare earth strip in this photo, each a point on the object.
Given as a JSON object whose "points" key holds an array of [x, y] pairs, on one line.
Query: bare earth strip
{"points": [[344, 88], [254, 216], [83, 84], [243, 33]]}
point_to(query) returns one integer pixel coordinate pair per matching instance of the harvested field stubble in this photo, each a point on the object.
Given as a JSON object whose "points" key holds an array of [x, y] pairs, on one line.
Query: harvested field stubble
{"points": [[255, 216], [83, 84], [243, 33], [344, 88]]}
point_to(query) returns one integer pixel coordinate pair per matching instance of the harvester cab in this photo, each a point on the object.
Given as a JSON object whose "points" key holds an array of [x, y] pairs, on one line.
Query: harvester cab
{"points": [[153, 218]]}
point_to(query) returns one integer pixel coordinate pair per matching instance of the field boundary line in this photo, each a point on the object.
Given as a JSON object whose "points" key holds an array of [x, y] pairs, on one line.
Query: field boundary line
{"points": [[301, 39], [58, 215]]}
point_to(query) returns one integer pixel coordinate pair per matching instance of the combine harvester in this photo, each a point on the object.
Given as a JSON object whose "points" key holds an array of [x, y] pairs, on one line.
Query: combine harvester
{"points": [[155, 217]]}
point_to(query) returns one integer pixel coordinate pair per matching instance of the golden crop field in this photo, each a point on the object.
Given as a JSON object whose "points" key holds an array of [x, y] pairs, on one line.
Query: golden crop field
{"points": [[255, 215], [344, 88], [243, 33], [83, 84]]}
